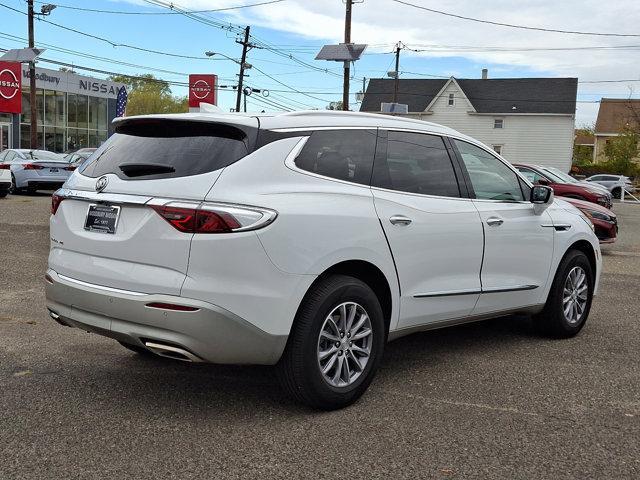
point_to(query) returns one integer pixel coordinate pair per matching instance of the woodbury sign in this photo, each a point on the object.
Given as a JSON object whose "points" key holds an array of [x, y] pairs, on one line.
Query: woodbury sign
{"points": [[202, 89], [10, 88]]}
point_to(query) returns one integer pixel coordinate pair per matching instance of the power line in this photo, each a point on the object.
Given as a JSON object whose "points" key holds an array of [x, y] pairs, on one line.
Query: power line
{"points": [[510, 25], [111, 42], [119, 12]]}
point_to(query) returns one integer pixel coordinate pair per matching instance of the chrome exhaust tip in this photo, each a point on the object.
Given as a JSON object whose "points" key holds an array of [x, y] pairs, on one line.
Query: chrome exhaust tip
{"points": [[170, 351]]}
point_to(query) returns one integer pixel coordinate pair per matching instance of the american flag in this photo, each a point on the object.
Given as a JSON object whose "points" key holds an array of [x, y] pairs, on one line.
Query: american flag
{"points": [[121, 102]]}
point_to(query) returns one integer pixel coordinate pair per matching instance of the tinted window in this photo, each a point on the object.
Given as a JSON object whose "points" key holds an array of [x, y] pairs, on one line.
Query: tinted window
{"points": [[166, 149], [417, 163], [342, 154], [490, 178]]}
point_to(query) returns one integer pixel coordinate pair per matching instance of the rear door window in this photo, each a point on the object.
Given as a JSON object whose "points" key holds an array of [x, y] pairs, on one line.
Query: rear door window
{"points": [[417, 163], [342, 154], [151, 149]]}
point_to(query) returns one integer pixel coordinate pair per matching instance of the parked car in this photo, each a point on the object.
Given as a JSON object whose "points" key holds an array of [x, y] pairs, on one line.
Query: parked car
{"points": [[5, 179], [80, 156], [613, 183], [604, 220], [540, 176], [569, 179], [33, 170], [307, 240]]}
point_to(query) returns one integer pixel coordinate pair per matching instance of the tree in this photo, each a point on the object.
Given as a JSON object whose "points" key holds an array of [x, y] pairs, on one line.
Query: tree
{"points": [[147, 94], [583, 154], [621, 151]]}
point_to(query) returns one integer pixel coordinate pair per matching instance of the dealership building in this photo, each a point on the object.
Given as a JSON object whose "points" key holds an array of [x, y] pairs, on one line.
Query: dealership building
{"points": [[73, 111]]}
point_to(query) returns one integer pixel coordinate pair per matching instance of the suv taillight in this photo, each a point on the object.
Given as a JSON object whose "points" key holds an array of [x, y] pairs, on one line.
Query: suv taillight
{"points": [[214, 218], [32, 166], [5, 166], [55, 202], [70, 168]]}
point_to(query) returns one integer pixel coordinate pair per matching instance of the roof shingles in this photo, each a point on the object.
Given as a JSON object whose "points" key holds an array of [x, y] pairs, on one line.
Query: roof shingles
{"points": [[500, 95]]}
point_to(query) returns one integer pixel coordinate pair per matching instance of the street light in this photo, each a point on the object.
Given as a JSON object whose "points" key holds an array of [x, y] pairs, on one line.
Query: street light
{"points": [[246, 65], [47, 9]]}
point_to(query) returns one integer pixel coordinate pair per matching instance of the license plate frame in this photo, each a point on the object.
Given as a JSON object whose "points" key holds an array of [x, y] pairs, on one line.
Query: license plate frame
{"points": [[106, 223]]}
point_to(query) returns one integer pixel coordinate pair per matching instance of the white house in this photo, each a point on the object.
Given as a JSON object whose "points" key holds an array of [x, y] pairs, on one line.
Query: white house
{"points": [[527, 120]]}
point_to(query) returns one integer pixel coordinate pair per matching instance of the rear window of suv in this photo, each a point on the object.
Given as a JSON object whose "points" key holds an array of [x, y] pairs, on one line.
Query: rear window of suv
{"points": [[153, 149]]}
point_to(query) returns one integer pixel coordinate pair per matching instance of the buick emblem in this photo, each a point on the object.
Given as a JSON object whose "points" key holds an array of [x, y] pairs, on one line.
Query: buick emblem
{"points": [[101, 184]]}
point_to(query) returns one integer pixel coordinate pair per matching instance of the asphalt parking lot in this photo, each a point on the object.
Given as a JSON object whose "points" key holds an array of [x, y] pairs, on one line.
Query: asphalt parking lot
{"points": [[487, 400]]}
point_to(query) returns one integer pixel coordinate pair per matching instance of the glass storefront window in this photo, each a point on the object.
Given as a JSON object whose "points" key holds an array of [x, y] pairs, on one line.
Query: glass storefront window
{"points": [[102, 114], [54, 139], [60, 109], [72, 115], [25, 138], [40, 105], [93, 112], [82, 113], [26, 106], [49, 107]]}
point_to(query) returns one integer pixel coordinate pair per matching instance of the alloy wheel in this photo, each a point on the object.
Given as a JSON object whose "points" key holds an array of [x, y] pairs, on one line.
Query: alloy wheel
{"points": [[344, 344], [575, 295]]}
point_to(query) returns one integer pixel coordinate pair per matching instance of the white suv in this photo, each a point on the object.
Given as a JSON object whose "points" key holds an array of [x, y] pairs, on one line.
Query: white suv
{"points": [[307, 240]]}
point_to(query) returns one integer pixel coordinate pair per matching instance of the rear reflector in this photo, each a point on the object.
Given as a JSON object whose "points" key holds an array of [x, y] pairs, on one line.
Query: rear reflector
{"points": [[172, 306], [32, 166], [55, 202]]}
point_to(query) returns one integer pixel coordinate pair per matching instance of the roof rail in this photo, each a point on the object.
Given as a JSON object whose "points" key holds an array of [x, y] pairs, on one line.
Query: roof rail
{"points": [[328, 113]]}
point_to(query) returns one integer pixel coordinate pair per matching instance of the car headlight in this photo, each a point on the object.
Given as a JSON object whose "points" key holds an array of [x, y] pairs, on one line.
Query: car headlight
{"points": [[588, 221], [598, 215]]}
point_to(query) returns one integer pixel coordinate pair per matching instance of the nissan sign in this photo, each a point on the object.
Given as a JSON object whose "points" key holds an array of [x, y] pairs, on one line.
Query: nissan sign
{"points": [[202, 89], [10, 88]]}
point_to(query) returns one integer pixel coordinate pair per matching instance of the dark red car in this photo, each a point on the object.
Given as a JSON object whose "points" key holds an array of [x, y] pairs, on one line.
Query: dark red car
{"points": [[565, 186], [604, 220]]}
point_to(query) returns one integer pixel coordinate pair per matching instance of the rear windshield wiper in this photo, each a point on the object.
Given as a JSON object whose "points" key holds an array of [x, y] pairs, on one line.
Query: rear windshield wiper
{"points": [[142, 169]]}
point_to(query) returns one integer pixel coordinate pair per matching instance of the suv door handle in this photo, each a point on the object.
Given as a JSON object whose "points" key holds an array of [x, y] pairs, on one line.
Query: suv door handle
{"points": [[494, 221], [400, 220]]}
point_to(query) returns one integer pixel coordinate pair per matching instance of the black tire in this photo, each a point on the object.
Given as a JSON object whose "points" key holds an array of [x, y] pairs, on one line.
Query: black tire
{"points": [[299, 368], [552, 321], [617, 192], [13, 189], [138, 349], [4, 193]]}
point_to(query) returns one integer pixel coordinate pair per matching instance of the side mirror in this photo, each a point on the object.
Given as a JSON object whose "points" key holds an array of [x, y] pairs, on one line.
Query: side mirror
{"points": [[541, 194], [542, 181]]}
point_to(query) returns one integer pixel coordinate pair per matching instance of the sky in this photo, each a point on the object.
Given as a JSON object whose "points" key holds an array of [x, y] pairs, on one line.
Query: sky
{"points": [[288, 33]]}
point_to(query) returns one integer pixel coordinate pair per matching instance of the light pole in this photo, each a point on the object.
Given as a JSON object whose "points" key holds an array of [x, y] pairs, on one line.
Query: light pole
{"points": [[44, 10], [243, 66]]}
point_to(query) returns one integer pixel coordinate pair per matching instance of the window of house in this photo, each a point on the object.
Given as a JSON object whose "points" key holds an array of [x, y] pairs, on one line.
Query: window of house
{"points": [[498, 123], [341, 154], [497, 149], [490, 178], [416, 163], [452, 100]]}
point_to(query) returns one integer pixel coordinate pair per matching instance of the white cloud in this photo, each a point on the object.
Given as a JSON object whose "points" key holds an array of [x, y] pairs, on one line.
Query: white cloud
{"points": [[379, 22]]}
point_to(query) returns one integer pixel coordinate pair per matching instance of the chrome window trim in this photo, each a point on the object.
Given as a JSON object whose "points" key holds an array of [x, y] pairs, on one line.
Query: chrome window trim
{"points": [[312, 129]]}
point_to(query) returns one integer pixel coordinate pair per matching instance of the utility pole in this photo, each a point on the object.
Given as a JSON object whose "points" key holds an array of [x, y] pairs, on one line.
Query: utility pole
{"points": [[245, 49], [347, 70], [397, 75], [32, 83]]}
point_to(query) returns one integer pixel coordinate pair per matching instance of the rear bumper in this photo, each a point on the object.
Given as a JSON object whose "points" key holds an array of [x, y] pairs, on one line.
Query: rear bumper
{"points": [[43, 184], [210, 334]]}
